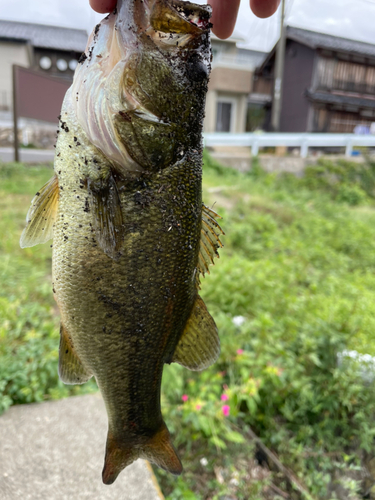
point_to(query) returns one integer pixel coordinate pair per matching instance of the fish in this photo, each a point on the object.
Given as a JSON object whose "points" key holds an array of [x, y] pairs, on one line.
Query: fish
{"points": [[131, 235]]}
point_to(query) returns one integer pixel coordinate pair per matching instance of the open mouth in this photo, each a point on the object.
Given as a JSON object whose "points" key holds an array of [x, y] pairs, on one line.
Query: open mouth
{"points": [[177, 16], [194, 14]]}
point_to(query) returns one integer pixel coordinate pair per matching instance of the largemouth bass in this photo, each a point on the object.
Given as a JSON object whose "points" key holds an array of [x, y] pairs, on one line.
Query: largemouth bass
{"points": [[131, 236]]}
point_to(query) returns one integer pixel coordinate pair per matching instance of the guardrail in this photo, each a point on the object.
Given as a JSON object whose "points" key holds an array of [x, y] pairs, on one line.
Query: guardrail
{"points": [[303, 141]]}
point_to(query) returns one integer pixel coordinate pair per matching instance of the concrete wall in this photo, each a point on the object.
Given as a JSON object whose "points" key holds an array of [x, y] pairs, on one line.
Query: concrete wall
{"points": [[10, 53]]}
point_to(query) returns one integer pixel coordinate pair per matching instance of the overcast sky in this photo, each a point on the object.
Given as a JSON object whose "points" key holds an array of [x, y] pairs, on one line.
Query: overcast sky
{"points": [[347, 18]]}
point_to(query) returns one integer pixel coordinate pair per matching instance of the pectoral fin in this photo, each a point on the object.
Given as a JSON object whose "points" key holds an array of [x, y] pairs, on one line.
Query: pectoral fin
{"points": [[41, 215], [199, 345], [108, 222], [71, 370]]}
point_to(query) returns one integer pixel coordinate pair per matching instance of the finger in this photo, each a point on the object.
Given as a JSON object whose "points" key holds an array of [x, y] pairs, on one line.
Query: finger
{"points": [[264, 8], [103, 6], [224, 15]]}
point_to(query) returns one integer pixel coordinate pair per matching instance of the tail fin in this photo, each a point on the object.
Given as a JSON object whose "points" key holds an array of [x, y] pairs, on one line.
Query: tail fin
{"points": [[158, 450]]}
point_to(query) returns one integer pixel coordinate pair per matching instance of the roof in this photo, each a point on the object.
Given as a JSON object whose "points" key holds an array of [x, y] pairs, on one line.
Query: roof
{"points": [[360, 102], [40, 35], [316, 40]]}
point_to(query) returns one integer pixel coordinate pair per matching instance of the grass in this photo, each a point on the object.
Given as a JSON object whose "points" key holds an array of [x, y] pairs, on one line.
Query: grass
{"points": [[293, 288]]}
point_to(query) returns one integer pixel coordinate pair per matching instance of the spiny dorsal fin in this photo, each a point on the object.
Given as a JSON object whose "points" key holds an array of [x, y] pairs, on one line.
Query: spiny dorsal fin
{"points": [[199, 346], [71, 370], [108, 222], [210, 240], [41, 215]]}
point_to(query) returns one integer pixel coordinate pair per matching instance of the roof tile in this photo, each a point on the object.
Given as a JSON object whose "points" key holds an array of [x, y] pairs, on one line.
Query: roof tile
{"points": [[40, 35]]}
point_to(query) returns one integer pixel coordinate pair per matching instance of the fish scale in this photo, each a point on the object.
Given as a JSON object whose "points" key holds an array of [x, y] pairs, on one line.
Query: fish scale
{"points": [[130, 233]]}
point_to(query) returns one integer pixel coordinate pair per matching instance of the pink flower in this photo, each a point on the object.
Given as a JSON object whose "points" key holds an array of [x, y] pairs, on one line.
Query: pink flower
{"points": [[198, 407], [225, 409], [224, 397], [239, 351], [184, 397]]}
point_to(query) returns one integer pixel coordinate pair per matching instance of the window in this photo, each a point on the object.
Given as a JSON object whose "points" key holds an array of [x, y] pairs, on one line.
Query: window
{"points": [[62, 65], [223, 117], [45, 62]]}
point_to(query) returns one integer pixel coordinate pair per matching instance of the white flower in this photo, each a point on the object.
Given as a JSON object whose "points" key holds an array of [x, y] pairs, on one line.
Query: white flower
{"points": [[238, 320], [204, 461]]}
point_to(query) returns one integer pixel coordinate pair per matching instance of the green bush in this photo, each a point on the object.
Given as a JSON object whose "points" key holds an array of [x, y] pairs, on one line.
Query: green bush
{"points": [[298, 267]]}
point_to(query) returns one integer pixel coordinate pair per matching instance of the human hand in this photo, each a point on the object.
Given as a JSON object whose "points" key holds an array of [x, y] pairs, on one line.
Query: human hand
{"points": [[224, 12]]}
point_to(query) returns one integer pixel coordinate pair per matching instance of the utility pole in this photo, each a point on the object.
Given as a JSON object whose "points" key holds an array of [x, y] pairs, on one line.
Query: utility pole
{"points": [[279, 71], [15, 115]]}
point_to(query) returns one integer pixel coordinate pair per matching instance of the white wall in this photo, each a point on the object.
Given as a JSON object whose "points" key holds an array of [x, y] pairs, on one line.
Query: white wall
{"points": [[10, 53]]}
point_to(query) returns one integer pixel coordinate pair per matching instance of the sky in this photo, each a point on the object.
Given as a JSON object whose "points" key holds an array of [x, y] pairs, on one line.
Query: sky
{"points": [[346, 18]]}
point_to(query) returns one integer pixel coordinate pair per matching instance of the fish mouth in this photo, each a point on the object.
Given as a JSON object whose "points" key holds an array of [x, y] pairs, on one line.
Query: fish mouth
{"points": [[177, 16]]}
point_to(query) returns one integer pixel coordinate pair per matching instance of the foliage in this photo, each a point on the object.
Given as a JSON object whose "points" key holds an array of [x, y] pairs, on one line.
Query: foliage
{"points": [[294, 289], [349, 182]]}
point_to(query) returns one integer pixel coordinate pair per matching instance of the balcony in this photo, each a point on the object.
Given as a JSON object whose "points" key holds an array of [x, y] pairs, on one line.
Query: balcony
{"points": [[235, 61]]}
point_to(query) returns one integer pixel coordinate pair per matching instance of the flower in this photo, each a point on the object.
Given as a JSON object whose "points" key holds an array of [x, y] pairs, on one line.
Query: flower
{"points": [[204, 461], [198, 407], [224, 397], [225, 409], [238, 320], [184, 397], [239, 351]]}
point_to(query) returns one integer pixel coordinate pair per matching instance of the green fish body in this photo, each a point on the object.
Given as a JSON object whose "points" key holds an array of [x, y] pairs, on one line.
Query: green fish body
{"points": [[130, 233]]}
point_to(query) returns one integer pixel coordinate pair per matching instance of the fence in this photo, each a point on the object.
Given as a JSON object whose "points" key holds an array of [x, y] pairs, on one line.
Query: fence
{"points": [[303, 141]]}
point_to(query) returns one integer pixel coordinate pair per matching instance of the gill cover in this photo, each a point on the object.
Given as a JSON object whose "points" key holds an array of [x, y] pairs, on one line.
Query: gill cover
{"points": [[131, 83]]}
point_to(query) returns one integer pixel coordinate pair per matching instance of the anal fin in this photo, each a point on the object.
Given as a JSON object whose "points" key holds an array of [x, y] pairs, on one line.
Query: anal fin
{"points": [[41, 215], [199, 346], [71, 369]]}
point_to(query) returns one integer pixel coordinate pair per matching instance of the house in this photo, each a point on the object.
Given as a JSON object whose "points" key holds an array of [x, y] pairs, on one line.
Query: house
{"points": [[230, 84], [51, 49], [56, 50], [328, 84]]}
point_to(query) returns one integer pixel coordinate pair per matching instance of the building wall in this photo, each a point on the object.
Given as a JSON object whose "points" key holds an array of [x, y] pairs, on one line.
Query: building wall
{"points": [[230, 80], [239, 109], [10, 53], [298, 72], [210, 111]]}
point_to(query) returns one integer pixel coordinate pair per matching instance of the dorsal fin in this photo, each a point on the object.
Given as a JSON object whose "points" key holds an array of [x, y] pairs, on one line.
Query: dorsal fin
{"points": [[210, 240], [199, 345], [41, 215]]}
